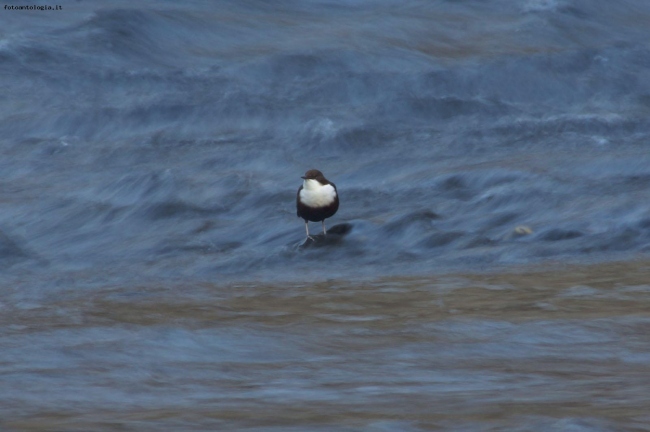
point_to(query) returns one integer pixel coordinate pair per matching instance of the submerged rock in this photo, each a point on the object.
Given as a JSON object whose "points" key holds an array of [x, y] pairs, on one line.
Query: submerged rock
{"points": [[518, 231]]}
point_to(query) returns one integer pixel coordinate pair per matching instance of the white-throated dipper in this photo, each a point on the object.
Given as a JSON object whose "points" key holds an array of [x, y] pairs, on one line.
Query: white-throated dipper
{"points": [[317, 199]]}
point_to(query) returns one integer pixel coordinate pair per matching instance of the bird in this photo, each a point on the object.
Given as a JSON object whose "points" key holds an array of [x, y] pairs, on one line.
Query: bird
{"points": [[317, 199]]}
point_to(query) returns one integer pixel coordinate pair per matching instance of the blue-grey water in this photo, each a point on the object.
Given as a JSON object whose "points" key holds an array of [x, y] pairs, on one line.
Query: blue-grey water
{"points": [[493, 165]]}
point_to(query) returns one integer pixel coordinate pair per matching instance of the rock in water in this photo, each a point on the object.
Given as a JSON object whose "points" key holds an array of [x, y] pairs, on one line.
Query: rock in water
{"points": [[334, 236]]}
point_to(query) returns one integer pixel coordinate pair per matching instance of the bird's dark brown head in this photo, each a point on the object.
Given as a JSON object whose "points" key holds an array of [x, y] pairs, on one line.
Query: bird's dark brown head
{"points": [[314, 175]]}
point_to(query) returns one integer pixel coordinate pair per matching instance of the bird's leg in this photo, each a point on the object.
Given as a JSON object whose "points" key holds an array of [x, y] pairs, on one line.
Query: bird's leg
{"points": [[324, 230], [307, 230]]}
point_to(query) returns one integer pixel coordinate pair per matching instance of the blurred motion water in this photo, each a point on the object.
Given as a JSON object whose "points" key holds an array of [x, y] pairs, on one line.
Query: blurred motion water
{"points": [[152, 277]]}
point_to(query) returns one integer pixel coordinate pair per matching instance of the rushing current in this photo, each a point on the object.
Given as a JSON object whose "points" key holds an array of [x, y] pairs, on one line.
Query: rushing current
{"points": [[488, 268]]}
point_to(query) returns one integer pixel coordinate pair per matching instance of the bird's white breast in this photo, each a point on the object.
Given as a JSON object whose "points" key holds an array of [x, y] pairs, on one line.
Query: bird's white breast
{"points": [[314, 194]]}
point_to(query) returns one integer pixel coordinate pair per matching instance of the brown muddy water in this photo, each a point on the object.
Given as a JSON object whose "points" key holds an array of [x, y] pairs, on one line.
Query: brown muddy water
{"points": [[555, 348]]}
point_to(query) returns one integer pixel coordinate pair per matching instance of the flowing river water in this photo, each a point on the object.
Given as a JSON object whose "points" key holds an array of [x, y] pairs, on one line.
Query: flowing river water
{"points": [[488, 267]]}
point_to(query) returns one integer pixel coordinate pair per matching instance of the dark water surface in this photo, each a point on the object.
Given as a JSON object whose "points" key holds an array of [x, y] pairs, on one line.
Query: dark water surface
{"points": [[151, 274]]}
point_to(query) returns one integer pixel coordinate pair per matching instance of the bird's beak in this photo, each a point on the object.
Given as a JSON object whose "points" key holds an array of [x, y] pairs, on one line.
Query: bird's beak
{"points": [[303, 177]]}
